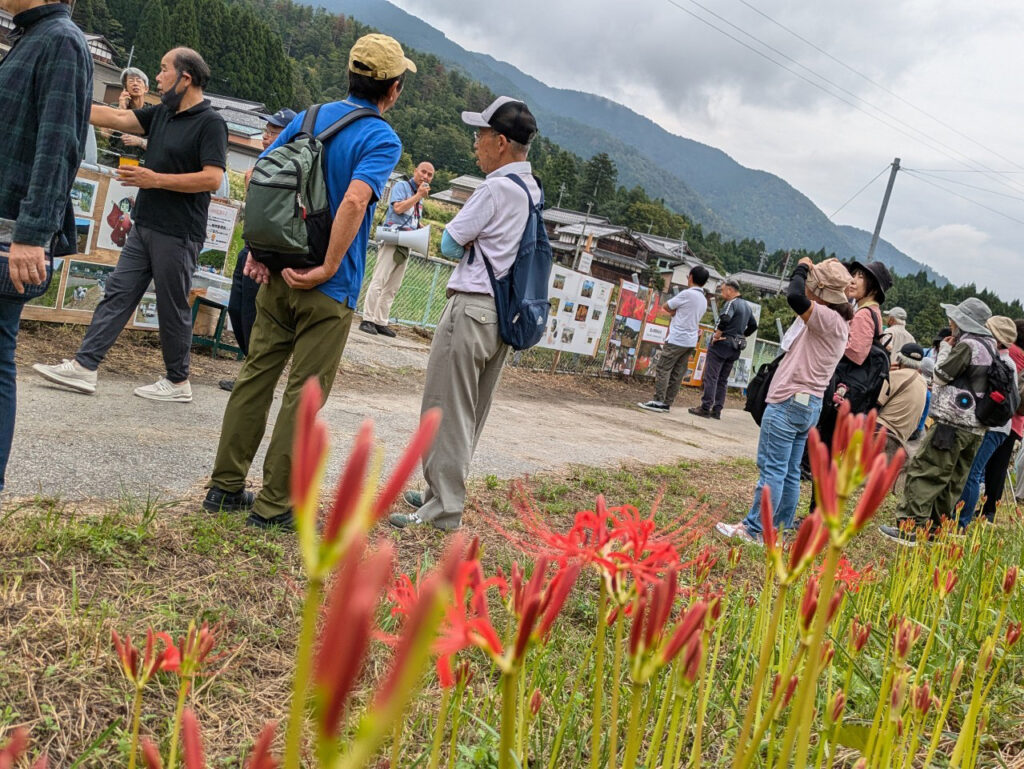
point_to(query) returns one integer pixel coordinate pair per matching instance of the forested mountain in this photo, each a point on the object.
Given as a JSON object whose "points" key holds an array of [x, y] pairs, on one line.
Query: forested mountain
{"points": [[287, 54]]}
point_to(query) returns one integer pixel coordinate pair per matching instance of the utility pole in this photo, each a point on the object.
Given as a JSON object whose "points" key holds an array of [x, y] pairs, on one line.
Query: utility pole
{"points": [[885, 205], [785, 269], [561, 191], [760, 261], [579, 240]]}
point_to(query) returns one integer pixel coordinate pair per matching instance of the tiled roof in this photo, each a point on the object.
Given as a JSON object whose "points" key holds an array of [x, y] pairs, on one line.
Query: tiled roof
{"points": [[596, 229], [565, 216]]}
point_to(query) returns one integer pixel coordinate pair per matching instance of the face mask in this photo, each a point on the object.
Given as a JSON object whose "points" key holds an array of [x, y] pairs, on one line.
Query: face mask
{"points": [[171, 98]]}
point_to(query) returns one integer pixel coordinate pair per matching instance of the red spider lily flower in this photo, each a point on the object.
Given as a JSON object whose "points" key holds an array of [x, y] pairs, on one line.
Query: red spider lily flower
{"points": [[13, 749], [790, 690], [663, 596], [636, 631], [836, 706], [881, 476], [811, 537], [835, 602], [704, 563], [467, 621], [535, 702], [692, 659], [986, 653], [196, 647], [261, 757], [825, 472], [899, 690], [848, 576], [1013, 631], [151, 755], [809, 603], [922, 698], [1009, 580], [859, 635], [688, 627], [555, 596], [309, 448], [907, 633], [944, 587], [350, 486], [192, 741], [140, 668], [418, 445], [828, 653], [846, 425], [735, 552], [768, 533], [347, 629]]}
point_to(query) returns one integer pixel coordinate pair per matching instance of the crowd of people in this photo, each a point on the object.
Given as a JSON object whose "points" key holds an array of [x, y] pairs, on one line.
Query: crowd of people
{"points": [[840, 348]]}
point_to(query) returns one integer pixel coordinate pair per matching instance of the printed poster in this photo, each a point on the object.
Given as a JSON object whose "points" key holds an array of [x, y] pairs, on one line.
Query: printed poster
{"points": [[579, 304], [118, 219], [83, 196]]}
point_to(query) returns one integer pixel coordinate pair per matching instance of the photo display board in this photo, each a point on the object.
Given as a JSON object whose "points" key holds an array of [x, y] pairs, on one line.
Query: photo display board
{"points": [[104, 211], [579, 304]]}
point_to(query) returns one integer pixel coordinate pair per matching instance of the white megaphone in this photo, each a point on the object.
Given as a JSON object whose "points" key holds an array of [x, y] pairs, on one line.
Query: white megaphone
{"points": [[415, 240]]}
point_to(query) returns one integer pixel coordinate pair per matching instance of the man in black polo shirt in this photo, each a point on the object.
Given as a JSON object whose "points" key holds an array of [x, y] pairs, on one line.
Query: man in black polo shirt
{"points": [[184, 163], [729, 339]]}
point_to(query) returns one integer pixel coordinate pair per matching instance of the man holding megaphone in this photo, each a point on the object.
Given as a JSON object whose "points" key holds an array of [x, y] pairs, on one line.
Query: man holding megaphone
{"points": [[404, 212]]}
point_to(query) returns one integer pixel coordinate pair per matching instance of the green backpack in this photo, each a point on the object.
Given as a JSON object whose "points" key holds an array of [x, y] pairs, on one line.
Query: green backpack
{"points": [[287, 214]]}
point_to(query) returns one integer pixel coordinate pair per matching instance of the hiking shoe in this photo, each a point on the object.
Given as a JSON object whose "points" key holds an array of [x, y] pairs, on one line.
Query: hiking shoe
{"points": [[226, 384], [368, 328], [283, 522], [716, 414], [384, 331], [899, 535], [218, 500], [401, 520], [654, 406], [700, 411], [413, 499], [165, 390], [70, 374], [737, 531]]}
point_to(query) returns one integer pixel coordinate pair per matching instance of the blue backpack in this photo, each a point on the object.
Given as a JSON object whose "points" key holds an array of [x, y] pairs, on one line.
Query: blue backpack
{"points": [[521, 296]]}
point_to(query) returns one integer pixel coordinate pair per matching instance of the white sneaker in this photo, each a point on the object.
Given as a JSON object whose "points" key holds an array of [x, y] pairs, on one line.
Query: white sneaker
{"points": [[69, 373], [164, 390], [736, 531]]}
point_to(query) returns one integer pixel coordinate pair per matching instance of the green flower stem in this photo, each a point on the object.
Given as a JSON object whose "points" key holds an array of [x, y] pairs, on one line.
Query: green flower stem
{"points": [[754, 703], [801, 718], [939, 610], [442, 717], [453, 745], [659, 725], [136, 718], [613, 711], [679, 736], [941, 721], [634, 733], [509, 711], [396, 744], [772, 710], [556, 746], [303, 671], [704, 677], [964, 743], [598, 701], [183, 688]]}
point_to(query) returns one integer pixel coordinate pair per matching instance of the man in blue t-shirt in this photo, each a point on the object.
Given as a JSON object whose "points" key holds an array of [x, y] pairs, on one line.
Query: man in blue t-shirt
{"points": [[305, 314], [405, 210]]}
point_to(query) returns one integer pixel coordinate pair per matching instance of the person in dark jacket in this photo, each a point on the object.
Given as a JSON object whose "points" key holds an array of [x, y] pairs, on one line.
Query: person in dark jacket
{"points": [[726, 345], [45, 86]]}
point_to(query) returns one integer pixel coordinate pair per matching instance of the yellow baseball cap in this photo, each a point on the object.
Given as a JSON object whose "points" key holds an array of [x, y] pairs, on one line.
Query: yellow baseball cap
{"points": [[379, 57]]}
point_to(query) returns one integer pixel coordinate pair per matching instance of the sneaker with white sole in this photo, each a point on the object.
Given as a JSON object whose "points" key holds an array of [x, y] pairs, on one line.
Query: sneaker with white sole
{"points": [[69, 373], [165, 390], [737, 531], [658, 406]]}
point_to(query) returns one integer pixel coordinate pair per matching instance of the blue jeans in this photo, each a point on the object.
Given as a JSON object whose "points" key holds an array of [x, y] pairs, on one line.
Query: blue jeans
{"points": [[972, 489], [927, 407], [784, 429], [10, 317]]}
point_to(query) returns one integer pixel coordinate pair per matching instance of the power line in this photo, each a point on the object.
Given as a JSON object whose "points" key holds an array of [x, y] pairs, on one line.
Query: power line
{"points": [[929, 141], [858, 192], [892, 93], [965, 184], [964, 197]]}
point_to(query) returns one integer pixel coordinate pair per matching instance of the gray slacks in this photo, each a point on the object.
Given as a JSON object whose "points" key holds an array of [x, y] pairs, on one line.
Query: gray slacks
{"points": [[671, 368], [169, 262], [466, 359]]}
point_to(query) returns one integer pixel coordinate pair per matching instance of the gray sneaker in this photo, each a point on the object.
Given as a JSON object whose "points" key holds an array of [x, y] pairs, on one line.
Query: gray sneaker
{"points": [[657, 406], [401, 520], [70, 374], [164, 390]]}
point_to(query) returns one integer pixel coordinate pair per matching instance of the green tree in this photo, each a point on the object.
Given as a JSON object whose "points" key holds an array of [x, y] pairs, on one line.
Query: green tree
{"points": [[184, 26], [154, 37], [598, 182]]}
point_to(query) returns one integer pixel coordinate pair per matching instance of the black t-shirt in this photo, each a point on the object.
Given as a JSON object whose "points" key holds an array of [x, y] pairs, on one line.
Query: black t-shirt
{"points": [[181, 143]]}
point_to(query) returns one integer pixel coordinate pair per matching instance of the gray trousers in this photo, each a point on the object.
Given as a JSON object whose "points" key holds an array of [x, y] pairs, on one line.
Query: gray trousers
{"points": [[384, 285], [671, 368], [466, 360], [169, 262]]}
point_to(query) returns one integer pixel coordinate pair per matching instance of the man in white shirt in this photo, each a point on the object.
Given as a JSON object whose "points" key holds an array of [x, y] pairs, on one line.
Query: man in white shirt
{"points": [[686, 308], [467, 353]]}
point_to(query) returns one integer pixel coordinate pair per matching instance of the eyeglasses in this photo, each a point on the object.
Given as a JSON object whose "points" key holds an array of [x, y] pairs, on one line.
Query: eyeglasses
{"points": [[481, 132], [268, 131]]}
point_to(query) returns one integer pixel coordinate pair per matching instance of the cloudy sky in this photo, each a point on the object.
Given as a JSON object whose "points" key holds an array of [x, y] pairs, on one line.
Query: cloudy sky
{"points": [[944, 98]]}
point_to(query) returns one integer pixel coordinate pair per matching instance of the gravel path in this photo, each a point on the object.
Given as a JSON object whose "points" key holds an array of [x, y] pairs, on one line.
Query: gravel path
{"points": [[88, 447]]}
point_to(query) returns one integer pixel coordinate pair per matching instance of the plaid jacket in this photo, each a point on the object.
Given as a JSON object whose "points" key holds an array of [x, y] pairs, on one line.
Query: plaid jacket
{"points": [[45, 98]]}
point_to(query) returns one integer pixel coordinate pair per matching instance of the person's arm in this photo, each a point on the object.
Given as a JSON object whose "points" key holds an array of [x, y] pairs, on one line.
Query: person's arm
{"points": [[207, 180], [116, 119], [862, 331], [796, 294], [450, 247], [404, 205], [61, 107], [347, 221], [673, 304], [952, 361]]}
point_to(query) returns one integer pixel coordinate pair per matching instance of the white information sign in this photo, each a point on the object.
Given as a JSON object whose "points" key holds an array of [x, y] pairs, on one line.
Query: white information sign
{"points": [[579, 304]]}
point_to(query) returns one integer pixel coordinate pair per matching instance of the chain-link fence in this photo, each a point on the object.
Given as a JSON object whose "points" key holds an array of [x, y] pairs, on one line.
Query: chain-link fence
{"points": [[421, 298]]}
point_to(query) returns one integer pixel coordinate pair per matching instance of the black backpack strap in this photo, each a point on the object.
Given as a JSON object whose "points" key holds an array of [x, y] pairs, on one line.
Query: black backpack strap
{"points": [[345, 120], [309, 121]]}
